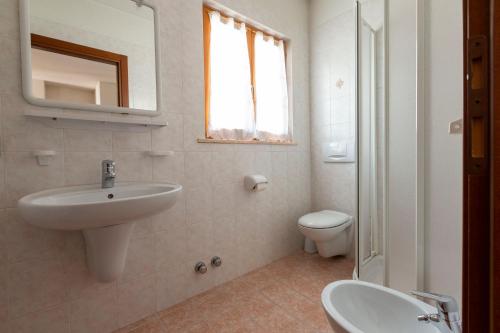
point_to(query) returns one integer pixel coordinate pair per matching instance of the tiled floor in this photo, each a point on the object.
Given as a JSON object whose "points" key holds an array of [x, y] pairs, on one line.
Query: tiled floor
{"points": [[283, 296]]}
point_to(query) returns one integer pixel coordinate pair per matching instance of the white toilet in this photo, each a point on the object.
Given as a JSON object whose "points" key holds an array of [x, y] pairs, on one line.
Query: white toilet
{"points": [[329, 230]]}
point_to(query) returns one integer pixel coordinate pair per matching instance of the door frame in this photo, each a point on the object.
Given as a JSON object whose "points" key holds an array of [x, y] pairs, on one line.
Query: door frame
{"points": [[495, 193], [481, 178]]}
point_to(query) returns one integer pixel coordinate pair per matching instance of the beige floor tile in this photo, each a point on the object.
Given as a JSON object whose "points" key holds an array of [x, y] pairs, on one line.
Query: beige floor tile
{"points": [[284, 296]]}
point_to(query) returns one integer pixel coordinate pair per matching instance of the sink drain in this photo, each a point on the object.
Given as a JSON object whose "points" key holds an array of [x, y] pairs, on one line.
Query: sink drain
{"points": [[111, 196]]}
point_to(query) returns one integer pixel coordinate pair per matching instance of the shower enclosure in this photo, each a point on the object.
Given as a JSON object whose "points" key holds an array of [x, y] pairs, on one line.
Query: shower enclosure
{"points": [[348, 122], [371, 143]]}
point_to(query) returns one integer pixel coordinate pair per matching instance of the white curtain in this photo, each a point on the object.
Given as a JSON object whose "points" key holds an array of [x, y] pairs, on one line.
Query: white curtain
{"points": [[271, 90], [231, 102]]}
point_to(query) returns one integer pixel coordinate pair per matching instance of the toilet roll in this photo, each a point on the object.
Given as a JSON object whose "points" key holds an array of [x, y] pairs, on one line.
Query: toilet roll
{"points": [[259, 187], [255, 183]]}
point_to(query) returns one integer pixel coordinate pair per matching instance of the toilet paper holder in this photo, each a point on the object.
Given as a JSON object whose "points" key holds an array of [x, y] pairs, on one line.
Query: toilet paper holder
{"points": [[255, 183]]}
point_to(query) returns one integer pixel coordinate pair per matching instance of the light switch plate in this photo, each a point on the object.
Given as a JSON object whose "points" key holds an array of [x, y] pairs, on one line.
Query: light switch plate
{"points": [[456, 127]]}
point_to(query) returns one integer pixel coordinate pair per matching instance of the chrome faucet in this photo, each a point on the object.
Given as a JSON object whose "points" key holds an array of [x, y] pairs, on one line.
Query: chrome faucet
{"points": [[447, 320], [108, 174]]}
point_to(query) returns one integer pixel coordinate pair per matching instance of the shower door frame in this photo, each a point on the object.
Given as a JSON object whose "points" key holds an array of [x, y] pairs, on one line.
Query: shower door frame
{"points": [[383, 245]]}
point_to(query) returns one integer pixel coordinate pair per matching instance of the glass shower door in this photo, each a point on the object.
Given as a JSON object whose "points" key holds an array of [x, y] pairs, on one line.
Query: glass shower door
{"points": [[371, 140]]}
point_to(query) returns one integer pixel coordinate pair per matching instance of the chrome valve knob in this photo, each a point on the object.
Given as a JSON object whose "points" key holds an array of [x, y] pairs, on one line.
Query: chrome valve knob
{"points": [[216, 261], [200, 267]]}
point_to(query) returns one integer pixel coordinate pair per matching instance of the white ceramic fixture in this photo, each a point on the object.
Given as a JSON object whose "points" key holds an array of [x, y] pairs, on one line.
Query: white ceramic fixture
{"points": [[106, 217], [362, 307], [255, 183], [43, 157], [330, 231]]}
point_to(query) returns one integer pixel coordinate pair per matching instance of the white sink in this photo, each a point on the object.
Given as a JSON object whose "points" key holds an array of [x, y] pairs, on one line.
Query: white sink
{"points": [[106, 217], [84, 207], [362, 307]]}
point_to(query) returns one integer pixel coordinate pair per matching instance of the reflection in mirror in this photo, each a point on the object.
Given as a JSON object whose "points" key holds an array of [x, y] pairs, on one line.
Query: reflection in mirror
{"points": [[63, 71], [97, 52]]}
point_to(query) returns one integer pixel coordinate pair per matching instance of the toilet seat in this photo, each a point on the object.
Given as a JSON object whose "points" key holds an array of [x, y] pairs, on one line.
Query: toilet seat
{"points": [[330, 231], [324, 219]]}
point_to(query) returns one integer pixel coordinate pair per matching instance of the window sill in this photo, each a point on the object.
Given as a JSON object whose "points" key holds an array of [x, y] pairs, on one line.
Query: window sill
{"points": [[247, 142]]}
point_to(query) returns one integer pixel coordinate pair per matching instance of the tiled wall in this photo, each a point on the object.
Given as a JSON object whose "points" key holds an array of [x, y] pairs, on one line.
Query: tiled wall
{"points": [[333, 63], [44, 282]]}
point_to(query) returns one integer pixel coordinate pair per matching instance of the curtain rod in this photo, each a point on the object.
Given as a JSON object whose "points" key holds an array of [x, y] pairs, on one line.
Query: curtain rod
{"points": [[249, 27]]}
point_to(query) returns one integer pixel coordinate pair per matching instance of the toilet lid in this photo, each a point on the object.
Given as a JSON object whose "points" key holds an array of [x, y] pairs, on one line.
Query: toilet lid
{"points": [[324, 219]]}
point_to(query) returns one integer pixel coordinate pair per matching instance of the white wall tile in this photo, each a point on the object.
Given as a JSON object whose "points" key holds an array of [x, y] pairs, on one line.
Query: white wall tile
{"points": [[136, 300], [20, 133], [3, 190], [223, 200], [175, 216], [83, 167], [222, 168], [132, 141], [199, 241], [9, 15], [23, 175], [143, 227], [4, 297], [197, 169], [170, 137], [54, 320], [199, 202], [24, 241], [170, 288], [169, 168], [84, 140], [133, 166], [95, 314], [36, 284], [3, 238], [244, 164], [10, 59], [140, 260], [193, 130], [171, 246]]}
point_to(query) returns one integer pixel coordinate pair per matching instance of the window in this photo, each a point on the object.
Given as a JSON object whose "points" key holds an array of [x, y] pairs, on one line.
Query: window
{"points": [[246, 92]]}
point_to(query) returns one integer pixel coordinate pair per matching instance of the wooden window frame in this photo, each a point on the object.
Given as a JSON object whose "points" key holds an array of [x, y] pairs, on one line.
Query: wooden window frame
{"points": [[251, 31], [84, 52]]}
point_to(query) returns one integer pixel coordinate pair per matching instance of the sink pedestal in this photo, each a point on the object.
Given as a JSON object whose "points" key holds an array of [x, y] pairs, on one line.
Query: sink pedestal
{"points": [[107, 250]]}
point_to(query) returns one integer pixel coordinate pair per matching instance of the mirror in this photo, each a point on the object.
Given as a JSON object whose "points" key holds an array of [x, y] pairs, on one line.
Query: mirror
{"points": [[98, 55]]}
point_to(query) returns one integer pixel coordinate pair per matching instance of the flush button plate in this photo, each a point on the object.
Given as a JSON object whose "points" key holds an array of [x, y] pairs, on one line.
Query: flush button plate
{"points": [[339, 151]]}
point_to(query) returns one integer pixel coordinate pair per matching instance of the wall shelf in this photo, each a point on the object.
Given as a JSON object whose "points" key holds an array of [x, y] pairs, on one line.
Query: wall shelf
{"points": [[44, 156], [100, 117], [159, 153]]}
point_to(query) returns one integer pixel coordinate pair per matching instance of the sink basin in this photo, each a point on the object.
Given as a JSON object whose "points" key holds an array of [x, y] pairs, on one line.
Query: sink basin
{"points": [[90, 206], [106, 217], [362, 307]]}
